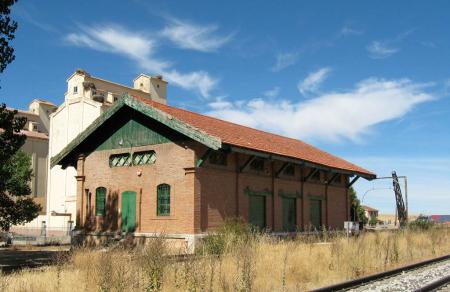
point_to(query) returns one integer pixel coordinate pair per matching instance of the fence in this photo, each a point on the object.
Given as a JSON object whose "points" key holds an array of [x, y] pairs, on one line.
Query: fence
{"points": [[20, 235]]}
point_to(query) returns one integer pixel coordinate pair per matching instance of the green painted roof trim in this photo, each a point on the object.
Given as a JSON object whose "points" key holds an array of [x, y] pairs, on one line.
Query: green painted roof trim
{"points": [[194, 133], [83, 135], [156, 114]]}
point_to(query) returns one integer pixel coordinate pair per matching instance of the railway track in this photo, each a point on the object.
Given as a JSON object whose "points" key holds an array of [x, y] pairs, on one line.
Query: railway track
{"points": [[429, 275]]}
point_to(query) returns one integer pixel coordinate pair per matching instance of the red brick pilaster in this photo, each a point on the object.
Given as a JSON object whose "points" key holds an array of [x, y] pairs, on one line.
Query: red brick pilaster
{"points": [[80, 190]]}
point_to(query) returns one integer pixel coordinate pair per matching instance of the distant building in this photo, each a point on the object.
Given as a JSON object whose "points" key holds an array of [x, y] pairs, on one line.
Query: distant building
{"points": [[36, 145], [441, 219], [370, 212]]}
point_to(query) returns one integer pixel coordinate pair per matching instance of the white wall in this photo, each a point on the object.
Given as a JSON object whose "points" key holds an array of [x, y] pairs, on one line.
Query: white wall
{"points": [[66, 123]]}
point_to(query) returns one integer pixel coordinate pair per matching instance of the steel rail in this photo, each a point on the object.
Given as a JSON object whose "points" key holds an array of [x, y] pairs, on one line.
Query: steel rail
{"points": [[378, 276], [435, 284]]}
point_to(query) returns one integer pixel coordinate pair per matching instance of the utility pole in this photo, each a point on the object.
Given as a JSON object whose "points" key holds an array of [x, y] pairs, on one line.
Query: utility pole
{"points": [[406, 198], [406, 195]]}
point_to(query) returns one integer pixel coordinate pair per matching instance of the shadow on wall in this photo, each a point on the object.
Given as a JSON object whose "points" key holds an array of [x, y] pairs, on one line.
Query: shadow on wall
{"points": [[111, 219]]}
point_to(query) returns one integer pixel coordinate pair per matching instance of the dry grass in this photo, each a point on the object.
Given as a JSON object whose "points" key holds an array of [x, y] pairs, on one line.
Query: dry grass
{"points": [[244, 263]]}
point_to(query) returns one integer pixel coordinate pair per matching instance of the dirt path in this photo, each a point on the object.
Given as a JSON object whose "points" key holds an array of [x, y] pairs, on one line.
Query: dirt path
{"points": [[13, 259]]}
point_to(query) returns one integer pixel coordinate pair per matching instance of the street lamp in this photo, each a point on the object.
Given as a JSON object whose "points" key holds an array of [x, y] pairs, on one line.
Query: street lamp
{"points": [[373, 189]]}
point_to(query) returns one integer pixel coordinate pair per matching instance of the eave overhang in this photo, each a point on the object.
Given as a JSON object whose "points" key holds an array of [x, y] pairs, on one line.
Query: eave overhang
{"points": [[270, 156], [196, 134]]}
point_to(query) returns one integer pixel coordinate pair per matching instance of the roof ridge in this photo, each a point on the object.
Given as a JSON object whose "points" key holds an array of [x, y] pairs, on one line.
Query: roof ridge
{"points": [[225, 121], [152, 102]]}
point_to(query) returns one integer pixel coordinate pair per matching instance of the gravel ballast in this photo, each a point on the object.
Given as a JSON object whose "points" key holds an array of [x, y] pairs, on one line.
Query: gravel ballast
{"points": [[410, 280]]}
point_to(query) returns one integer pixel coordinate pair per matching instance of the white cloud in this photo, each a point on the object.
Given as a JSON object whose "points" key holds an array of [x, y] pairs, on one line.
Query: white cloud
{"points": [[387, 48], [348, 30], [284, 60], [274, 92], [429, 44], [380, 50], [141, 49], [220, 104], [312, 82], [200, 81], [194, 37], [331, 116]]}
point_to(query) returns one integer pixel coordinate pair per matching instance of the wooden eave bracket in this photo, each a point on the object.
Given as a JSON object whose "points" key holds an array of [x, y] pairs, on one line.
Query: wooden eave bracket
{"points": [[203, 158], [282, 168], [332, 179], [310, 174], [353, 181], [249, 160]]}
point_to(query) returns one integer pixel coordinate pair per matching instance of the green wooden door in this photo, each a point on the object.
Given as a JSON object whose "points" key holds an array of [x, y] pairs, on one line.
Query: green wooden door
{"points": [[315, 213], [128, 211], [289, 214], [257, 211]]}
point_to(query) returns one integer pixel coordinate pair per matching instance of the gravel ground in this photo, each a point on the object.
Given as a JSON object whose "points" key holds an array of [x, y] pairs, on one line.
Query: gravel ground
{"points": [[411, 280]]}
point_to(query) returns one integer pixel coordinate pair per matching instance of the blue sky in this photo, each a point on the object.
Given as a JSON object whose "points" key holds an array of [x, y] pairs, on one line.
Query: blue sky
{"points": [[366, 81]]}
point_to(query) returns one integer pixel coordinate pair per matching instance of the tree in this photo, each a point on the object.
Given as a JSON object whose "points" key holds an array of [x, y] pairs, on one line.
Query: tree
{"points": [[16, 207], [15, 170], [7, 29], [356, 212], [373, 220]]}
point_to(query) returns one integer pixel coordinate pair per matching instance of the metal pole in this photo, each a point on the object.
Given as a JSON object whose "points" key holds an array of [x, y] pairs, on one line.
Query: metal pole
{"points": [[406, 196], [395, 217], [406, 199]]}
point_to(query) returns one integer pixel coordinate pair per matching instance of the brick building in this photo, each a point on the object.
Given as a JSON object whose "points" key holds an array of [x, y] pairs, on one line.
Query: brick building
{"points": [[146, 167], [370, 212]]}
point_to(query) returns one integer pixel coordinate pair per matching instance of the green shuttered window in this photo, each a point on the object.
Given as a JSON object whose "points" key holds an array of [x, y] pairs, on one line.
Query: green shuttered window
{"points": [[100, 201], [163, 200], [139, 158], [117, 160], [145, 157]]}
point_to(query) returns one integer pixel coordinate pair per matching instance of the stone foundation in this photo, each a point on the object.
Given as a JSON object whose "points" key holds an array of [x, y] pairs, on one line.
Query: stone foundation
{"points": [[176, 243]]}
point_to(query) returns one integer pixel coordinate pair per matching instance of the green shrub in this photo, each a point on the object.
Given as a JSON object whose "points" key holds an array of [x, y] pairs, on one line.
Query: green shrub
{"points": [[373, 221], [233, 232], [421, 223], [213, 244], [153, 261]]}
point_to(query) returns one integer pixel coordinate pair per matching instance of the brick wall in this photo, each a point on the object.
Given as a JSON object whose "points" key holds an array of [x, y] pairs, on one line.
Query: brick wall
{"points": [[201, 198], [172, 166], [220, 184], [337, 209]]}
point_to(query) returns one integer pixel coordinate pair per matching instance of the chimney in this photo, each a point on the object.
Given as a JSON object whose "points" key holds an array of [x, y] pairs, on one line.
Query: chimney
{"points": [[155, 85]]}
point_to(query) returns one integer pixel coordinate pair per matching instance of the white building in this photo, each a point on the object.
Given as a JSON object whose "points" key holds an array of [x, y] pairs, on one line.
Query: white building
{"points": [[86, 98], [36, 145]]}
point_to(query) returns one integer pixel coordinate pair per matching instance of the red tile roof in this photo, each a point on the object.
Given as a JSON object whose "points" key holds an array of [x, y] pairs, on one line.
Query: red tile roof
{"points": [[31, 134], [369, 209], [245, 137]]}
